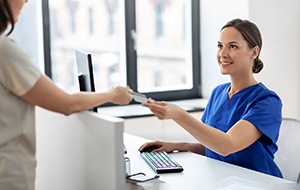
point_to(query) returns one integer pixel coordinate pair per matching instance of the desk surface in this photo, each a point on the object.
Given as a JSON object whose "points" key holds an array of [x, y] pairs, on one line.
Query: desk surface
{"points": [[201, 172]]}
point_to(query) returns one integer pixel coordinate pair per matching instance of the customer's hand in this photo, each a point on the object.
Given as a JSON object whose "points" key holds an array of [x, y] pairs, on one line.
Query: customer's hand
{"points": [[121, 95]]}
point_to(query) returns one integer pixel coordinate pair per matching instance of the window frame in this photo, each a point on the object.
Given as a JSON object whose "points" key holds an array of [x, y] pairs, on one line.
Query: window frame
{"points": [[131, 54], [46, 38]]}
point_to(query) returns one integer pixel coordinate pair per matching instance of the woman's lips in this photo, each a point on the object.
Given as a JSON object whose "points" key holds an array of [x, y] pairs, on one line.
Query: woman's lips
{"points": [[225, 63]]}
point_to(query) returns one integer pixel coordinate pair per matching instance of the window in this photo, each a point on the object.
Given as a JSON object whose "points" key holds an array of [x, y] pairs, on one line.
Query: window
{"points": [[159, 19], [162, 46], [111, 22], [30, 15], [90, 29], [91, 20], [150, 45], [72, 8]]}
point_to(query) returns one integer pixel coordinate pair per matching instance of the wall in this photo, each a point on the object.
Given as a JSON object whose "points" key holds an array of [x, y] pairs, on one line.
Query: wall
{"points": [[154, 129], [278, 21], [214, 14]]}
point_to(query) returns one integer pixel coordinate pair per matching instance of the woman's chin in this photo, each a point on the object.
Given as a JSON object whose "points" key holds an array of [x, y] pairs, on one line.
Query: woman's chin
{"points": [[224, 72]]}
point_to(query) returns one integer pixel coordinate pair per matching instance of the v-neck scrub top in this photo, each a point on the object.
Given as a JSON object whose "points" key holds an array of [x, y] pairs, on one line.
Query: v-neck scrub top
{"points": [[259, 106]]}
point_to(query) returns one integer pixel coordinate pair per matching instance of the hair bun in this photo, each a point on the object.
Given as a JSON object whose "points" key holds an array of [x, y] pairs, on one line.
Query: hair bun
{"points": [[257, 66]]}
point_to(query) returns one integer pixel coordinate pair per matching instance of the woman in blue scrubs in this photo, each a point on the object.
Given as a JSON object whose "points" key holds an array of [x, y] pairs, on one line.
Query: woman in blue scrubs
{"points": [[241, 122]]}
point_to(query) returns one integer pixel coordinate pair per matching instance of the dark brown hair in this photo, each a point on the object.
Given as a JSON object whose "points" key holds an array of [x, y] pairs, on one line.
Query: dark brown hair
{"points": [[6, 17], [252, 35]]}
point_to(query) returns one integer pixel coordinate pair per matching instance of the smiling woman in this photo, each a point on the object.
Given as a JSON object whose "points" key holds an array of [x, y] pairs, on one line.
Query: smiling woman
{"points": [[232, 129], [238, 51], [253, 41]]}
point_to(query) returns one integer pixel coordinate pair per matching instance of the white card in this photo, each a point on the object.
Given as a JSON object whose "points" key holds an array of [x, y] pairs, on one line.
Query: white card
{"points": [[139, 97]]}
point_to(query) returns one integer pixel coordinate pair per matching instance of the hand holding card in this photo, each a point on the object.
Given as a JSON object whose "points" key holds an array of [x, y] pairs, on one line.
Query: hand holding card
{"points": [[141, 98]]}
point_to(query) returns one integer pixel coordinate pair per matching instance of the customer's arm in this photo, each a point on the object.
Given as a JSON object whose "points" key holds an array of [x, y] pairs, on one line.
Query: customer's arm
{"points": [[49, 96]]}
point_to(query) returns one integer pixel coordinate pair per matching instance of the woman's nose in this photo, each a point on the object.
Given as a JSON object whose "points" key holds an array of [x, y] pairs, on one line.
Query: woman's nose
{"points": [[223, 52]]}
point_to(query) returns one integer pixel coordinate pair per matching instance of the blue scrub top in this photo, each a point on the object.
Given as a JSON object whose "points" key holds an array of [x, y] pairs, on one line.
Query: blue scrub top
{"points": [[259, 106]]}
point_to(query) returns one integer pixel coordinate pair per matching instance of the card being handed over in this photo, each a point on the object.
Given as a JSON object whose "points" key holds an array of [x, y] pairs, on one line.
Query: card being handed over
{"points": [[141, 98]]}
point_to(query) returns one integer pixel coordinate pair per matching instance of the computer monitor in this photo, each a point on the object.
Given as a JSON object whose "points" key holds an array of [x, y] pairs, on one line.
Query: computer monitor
{"points": [[85, 72], [86, 76]]}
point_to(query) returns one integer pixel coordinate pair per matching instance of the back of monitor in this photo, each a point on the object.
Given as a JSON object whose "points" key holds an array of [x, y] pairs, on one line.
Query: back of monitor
{"points": [[81, 151]]}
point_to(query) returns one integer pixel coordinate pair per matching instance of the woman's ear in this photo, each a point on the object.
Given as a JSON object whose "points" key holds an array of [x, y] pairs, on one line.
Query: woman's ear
{"points": [[255, 52]]}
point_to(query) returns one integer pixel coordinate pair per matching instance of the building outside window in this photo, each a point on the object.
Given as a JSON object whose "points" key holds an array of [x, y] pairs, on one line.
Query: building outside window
{"points": [[150, 45]]}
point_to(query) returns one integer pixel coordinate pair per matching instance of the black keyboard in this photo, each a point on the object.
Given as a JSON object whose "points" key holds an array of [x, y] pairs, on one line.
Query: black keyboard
{"points": [[161, 162]]}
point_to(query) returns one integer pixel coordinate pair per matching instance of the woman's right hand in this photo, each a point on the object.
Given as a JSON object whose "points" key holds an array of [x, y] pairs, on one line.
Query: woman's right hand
{"points": [[164, 110], [161, 146]]}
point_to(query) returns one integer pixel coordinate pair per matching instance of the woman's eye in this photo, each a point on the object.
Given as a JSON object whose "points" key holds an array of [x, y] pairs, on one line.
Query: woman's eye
{"points": [[233, 46], [219, 46]]}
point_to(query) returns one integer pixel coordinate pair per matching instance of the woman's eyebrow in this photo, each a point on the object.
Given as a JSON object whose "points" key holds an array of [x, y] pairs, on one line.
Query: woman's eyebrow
{"points": [[232, 42]]}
